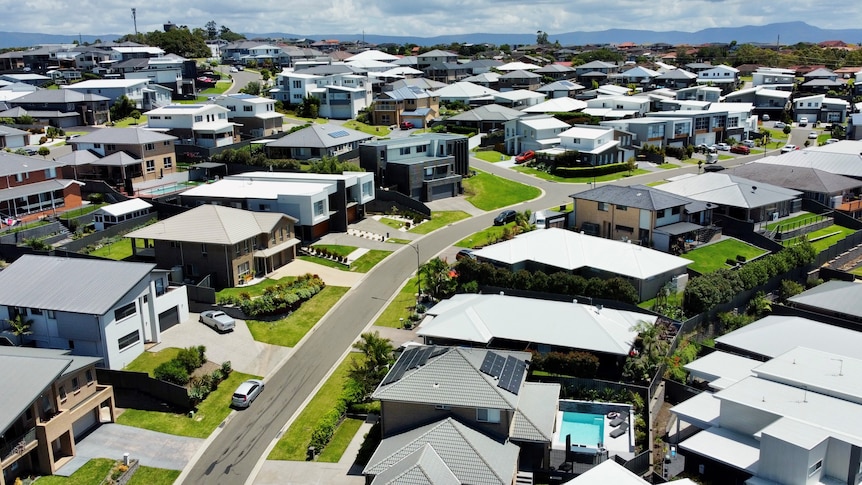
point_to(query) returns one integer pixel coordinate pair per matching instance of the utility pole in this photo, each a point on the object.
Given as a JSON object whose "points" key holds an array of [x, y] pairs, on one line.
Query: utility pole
{"points": [[135, 21]]}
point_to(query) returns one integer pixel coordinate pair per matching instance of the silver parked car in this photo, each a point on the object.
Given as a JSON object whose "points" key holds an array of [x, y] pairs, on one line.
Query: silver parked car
{"points": [[246, 393], [218, 320]]}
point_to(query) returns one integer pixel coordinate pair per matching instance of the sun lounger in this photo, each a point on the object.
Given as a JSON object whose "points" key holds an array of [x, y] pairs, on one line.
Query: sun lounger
{"points": [[621, 430], [620, 419]]}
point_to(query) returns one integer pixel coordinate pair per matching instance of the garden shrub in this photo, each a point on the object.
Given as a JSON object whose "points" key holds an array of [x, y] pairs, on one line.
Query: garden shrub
{"points": [[226, 368], [192, 357], [280, 299], [172, 371]]}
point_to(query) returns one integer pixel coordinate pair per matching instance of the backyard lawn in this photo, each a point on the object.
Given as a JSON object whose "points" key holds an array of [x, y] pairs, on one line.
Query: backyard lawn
{"points": [[211, 412], [369, 129], [489, 192], [438, 220], [293, 445], [81, 211], [96, 470], [823, 238], [148, 361], [118, 250], [712, 257], [288, 331], [397, 312]]}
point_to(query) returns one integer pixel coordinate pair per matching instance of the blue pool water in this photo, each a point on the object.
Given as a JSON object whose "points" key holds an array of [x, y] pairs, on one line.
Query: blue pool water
{"points": [[586, 429], [165, 189]]}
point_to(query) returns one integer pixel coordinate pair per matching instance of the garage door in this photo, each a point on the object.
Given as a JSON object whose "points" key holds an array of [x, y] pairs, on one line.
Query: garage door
{"points": [[169, 318], [442, 191], [85, 424]]}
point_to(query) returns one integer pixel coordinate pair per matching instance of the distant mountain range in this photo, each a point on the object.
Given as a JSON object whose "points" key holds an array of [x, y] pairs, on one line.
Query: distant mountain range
{"points": [[783, 33]]}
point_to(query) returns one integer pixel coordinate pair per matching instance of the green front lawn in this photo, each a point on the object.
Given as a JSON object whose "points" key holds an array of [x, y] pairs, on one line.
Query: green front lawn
{"points": [[127, 122], [154, 476], [369, 260], [438, 220], [336, 249], [369, 129], [397, 312], [483, 237], [489, 192], [396, 240], [288, 331], [118, 250], [211, 412], [579, 180], [96, 470], [712, 257], [491, 156], [148, 361], [340, 440], [393, 223], [667, 166], [255, 289], [293, 445]]}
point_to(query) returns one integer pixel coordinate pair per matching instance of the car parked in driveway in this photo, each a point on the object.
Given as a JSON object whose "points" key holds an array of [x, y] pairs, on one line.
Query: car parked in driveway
{"points": [[803, 121], [812, 135], [740, 149], [218, 320], [505, 217], [525, 156], [406, 125], [748, 143], [246, 393]]}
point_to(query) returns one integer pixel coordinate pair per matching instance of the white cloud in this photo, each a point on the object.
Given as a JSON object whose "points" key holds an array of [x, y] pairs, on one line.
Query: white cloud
{"points": [[425, 18]]}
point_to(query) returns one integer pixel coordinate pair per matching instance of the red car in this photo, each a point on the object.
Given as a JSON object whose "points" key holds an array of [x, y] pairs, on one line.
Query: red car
{"points": [[741, 149], [525, 157], [406, 125]]}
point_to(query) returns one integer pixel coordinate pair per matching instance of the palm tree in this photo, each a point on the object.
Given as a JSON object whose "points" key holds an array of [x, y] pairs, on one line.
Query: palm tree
{"points": [[377, 355], [20, 325]]}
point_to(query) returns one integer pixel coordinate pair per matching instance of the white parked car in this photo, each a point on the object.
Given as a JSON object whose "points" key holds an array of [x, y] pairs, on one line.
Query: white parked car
{"points": [[812, 135], [803, 121], [779, 124], [748, 143], [723, 147], [789, 148], [218, 320]]}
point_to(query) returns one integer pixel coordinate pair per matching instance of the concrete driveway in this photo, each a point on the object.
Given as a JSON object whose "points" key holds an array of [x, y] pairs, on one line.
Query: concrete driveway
{"points": [[153, 449], [244, 352]]}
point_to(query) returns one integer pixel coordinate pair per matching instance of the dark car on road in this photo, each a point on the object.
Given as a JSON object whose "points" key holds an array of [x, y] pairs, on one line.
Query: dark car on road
{"points": [[740, 149], [505, 217]]}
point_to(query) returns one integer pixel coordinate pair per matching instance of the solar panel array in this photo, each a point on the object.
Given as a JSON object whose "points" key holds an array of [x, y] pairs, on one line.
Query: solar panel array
{"points": [[412, 359], [493, 364], [338, 134], [513, 373]]}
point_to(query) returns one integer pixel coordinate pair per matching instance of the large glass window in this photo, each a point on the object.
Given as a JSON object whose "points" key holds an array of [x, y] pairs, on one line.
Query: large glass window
{"points": [[124, 311], [129, 340], [488, 415], [318, 208]]}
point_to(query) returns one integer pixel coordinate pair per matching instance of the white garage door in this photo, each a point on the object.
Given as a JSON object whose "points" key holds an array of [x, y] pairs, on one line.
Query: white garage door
{"points": [[85, 423]]}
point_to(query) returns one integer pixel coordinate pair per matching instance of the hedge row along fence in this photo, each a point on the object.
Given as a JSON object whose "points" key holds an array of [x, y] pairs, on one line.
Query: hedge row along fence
{"points": [[322, 433], [574, 172], [279, 299]]}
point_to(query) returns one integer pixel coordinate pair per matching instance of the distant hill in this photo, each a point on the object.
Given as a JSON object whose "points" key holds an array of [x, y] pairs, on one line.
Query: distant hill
{"points": [[785, 33]]}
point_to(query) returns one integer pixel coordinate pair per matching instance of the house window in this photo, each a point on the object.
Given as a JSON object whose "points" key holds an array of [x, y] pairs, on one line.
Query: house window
{"points": [[76, 384], [488, 415], [51, 315], [248, 108], [442, 407], [149, 146], [603, 206], [199, 118], [62, 393], [659, 213], [815, 468], [129, 340], [89, 376], [160, 287], [124, 311], [243, 269], [675, 210], [624, 228], [318, 208], [203, 249], [167, 162], [405, 151], [35, 311], [166, 143], [297, 84], [622, 208], [151, 166]]}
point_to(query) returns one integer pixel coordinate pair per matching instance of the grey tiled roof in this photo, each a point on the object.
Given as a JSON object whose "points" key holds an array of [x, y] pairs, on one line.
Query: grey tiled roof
{"points": [[638, 196], [444, 379], [212, 224], [537, 411], [422, 467], [806, 179], [471, 456], [57, 96], [123, 136], [23, 381], [320, 136]]}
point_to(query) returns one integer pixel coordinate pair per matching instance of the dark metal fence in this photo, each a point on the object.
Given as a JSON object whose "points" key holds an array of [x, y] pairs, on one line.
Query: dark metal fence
{"points": [[140, 381]]}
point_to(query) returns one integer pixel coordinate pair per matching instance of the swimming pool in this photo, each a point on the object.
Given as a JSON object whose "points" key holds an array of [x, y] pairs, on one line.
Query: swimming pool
{"points": [[587, 430], [164, 189]]}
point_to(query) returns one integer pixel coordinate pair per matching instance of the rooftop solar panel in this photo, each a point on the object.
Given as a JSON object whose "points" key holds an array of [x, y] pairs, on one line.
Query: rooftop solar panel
{"points": [[338, 134]]}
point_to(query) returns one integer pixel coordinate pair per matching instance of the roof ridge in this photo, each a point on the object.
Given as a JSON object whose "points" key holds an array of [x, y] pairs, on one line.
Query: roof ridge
{"points": [[518, 412], [473, 447]]}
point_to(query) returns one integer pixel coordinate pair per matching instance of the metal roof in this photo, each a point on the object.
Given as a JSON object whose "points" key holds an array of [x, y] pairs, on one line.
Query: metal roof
{"points": [[124, 207], [37, 188], [836, 296], [211, 224], [463, 89], [490, 112], [482, 318], [471, 456], [122, 136], [13, 163], [24, 379], [638, 196], [775, 334], [729, 190], [89, 286], [320, 136], [570, 250]]}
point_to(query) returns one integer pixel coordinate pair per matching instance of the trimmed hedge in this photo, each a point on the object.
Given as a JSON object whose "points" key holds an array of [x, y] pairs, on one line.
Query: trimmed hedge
{"points": [[322, 433], [575, 364], [278, 300], [573, 172]]}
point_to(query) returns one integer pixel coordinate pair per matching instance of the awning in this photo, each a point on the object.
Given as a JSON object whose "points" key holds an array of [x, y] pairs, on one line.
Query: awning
{"points": [[720, 444], [35, 189], [702, 410], [678, 228], [265, 253]]}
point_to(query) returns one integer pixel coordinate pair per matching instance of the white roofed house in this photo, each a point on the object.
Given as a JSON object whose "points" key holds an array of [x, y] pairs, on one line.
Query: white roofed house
{"points": [[144, 94], [614, 107], [535, 132], [113, 214], [255, 117], [204, 125], [766, 100], [723, 76], [820, 108], [108, 310], [595, 145]]}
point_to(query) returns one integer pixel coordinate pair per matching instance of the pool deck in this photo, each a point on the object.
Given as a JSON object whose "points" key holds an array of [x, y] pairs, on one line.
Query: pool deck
{"points": [[624, 445]]}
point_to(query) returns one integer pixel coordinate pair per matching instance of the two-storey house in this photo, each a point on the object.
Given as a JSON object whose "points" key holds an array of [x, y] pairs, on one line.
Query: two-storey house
{"points": [[596, 145], [519, 79], [436, 56], [341, 95], [141, 92], [725, 77], [765, 100], [255, 117], [64, 108], [31, 187], [536, 132], [205, 125], [820, 108], [774, 78], [409, 103], [617, 106], [126, 155]]}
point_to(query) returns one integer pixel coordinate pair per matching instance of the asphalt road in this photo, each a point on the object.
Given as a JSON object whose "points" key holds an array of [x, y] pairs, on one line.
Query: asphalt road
{"points": [[233, 454]]}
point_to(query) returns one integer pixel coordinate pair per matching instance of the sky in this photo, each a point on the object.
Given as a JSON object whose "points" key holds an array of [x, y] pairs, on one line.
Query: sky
{"points": [[422, 18]]}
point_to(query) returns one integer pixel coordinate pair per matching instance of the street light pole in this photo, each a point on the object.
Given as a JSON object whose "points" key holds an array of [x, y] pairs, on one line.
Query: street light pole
{"points": [[418, 272]]}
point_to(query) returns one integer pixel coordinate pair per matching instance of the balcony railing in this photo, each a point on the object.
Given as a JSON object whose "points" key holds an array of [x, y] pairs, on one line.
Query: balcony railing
{"points": [[17, 444]]}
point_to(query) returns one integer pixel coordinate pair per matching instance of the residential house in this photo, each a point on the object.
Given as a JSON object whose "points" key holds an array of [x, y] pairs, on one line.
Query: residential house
{"points": [[465, 92], [557, 105], [710, 125], [557, 72], [446, 72], [519, 98], [854, 126], [659, 131], [32, 187], [833, 301], [647, 270], [819, 108], [372, 55], [127, 210], [490, 80], [342, 95], [478, 436], [638, 75], [317, 141], [52, 400], [595, 145], [13, 138], [481, 66], [109, 311], [533, 132], [30, 78], [255, 117], [320, 203], [485, 118], [143, 94], [434, 57], [229, 245], [774, 78], [737, 197], [127, 155], [560, 89], [614, 212], [497, 322], [794, 419], [426, 167], [840, 158], [204, 125], [708, 94], [723, 76], [612, 472], [820, 186], [766, 101], [615, 107], [676, 79], [64, 108], [518, 65], [410, 103], [520, 79], [821, 81], [594, 71]]}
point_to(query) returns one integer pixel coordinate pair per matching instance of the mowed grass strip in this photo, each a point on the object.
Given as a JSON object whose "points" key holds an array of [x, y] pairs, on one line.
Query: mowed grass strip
{"points": [[488, 192], [713, 257]]}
